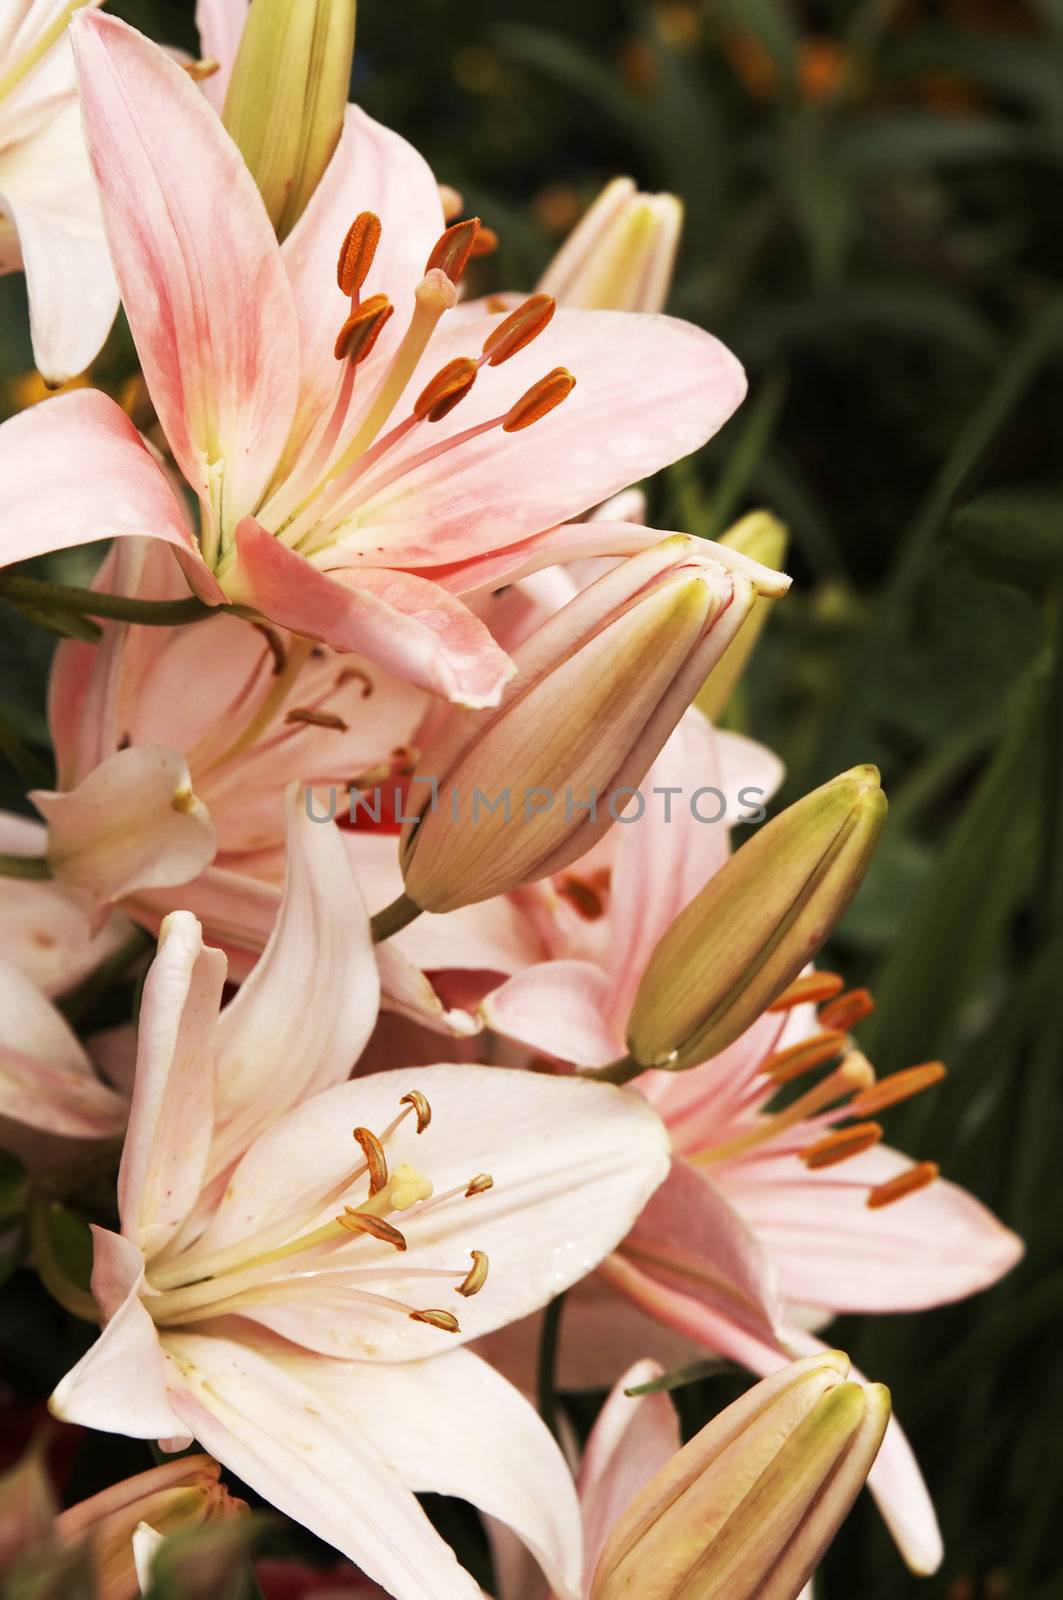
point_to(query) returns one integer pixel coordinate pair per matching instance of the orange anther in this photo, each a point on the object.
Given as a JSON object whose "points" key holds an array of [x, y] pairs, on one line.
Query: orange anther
{"points": [[362, 329], [375, 1159], [357, 252], [842, 1144], [811, 989], [437, 1319], [452, 249], [479, 1185], [442, 393], [362, 1222], [476, 1276], [420, 1105], [916, 1177], [800, 1058], [849, 1009], [316, 719], [540, 399], [519, 328], [897, 1087]]}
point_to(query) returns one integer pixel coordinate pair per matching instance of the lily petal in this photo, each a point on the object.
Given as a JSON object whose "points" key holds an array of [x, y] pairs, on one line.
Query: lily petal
{"points": [[133, 823], [453, 1426], [271, 1054], [220, 24], [284, 1439], [200, 271], [556, 1148], [559, 1007], [173, 1092], [75, 469], [632, 1438], [120, 1384], [409, 626]]}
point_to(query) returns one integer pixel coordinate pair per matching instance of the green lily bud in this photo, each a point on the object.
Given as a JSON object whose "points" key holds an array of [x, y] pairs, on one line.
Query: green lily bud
{"points": [[765, 539], [287, 96], [756, 923], [620, 255], [748, 1507]]}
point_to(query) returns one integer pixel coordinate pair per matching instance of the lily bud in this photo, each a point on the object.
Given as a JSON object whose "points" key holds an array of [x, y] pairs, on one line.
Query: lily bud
{"points": [[764, 538], [505, 796], [287, 95], [748, 1507], [756, 923], [620, 255]]}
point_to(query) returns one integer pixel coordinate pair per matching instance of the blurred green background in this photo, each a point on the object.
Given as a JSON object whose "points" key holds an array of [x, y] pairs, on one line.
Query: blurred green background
{"points": [[874, 225]]}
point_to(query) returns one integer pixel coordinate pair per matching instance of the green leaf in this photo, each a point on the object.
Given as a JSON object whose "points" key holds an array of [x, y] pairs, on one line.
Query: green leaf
{"points": [[1016, 532], [679, 1377], [62, 1254], [13, 1186], [212, 1562]]}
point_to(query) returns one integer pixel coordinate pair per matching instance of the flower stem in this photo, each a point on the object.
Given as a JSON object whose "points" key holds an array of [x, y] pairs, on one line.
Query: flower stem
{"points": [[398, 915], [24, 867], [20, 589], [546, 1375], [620, 1071]]}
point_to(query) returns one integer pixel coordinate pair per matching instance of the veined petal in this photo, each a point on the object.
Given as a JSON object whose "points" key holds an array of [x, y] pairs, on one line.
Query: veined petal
{"points": [[220, 24], [372, 169], [120, 1384], [284, 1438], [559, 1007], [452, 1425], [633, 1437], [649, 389], [171, 1117], [75, 469], [202, 282], [573, 1163], [46, 188], [409, 626], [272, 1054], [133, 823], [930, 1248]]}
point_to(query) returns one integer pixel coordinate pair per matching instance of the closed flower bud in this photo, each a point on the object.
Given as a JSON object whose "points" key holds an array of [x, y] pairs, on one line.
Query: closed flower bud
{"points": [[756, 923], [764, 538], [748, 1507], [620, 255], [287, 95], [506, 796]]}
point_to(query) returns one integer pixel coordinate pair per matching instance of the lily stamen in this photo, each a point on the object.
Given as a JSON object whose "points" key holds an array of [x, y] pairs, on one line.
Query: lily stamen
{"points": [[809, 990], [375, 1158], [841, 1145], [910, 1182]]}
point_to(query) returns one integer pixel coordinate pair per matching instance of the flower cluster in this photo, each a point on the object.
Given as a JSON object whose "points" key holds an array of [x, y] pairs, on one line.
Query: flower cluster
{"points": [[437, 1018]]}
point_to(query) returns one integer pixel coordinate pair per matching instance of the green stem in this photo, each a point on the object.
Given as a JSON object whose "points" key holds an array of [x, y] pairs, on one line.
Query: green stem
{"points": [[620, 1071], [398, 915], [546, 1374], [24, 867], [18, 588]]}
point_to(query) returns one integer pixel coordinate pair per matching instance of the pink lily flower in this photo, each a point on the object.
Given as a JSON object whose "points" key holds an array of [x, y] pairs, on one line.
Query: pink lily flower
{"points": [[285, 1293], [331, 486], [768, 1221], [50, 222]]}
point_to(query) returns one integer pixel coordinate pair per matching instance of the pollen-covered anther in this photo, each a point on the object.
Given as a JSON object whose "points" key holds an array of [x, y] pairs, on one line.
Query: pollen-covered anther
{"points": [[375, 1159], [479, 1185], [542, 398], [910, 1182], [348, 675], [519, 328], [797, 1059], [897, 1087], [363, 1222], [315, 718], [476, 1276], [437, 1319], [420, 1105], [362, 329], [809, 990], [442, 393], [842, 1144], [848, 1009], [200, 70], [357, 252], [452, 249]]}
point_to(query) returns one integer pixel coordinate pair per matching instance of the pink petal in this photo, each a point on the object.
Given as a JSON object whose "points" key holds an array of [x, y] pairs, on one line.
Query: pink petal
{"points": [[692, 1241], [372, 169], [47, 192], [631, 1440], [132, 823], [75, 469], [272, 1054], [556, 1147], [220, 24], [200, 271], [930, 1248], [283, 1437], [120, 1385], [171, 1116], [559, 1007], [649, 389], [408, 626], [44, 928], [453, 1426]]}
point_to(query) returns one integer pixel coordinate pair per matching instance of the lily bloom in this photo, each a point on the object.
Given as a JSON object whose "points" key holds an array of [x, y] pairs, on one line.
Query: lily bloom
{"points": [[340, 454], [299, 1265], [768, 1217], [50, 222]]}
